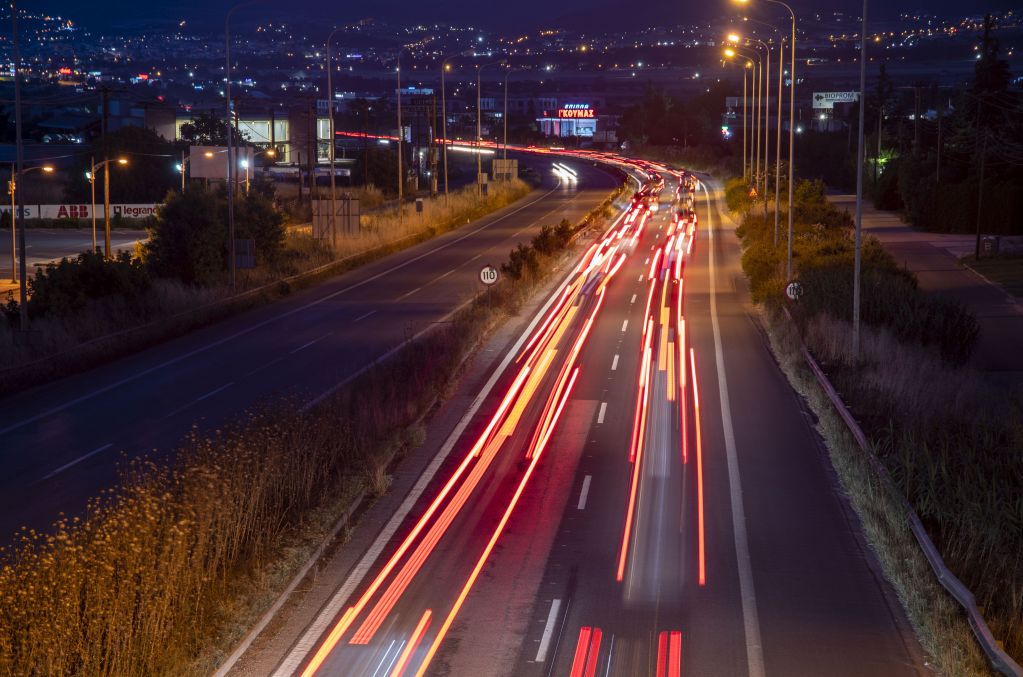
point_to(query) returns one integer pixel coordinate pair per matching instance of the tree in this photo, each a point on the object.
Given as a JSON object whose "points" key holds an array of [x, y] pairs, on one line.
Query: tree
{"points": [[206, 130], [189, 239]]}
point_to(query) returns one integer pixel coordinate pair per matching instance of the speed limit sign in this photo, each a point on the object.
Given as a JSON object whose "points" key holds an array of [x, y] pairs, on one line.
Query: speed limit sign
{"points": [[489, 275]]}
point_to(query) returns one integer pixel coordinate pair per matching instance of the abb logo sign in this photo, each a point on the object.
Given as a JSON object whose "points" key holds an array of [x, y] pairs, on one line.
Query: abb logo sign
{"points": [[73, 212]]}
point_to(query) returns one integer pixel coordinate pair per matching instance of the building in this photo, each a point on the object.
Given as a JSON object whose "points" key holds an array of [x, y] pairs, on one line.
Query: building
{"points": [[571, 118]]}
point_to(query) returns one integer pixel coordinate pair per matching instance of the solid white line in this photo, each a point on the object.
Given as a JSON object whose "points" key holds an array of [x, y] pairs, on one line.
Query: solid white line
{"points": [[610, 655], [396, 655], [625, 325], [603, 410], [214, 392], [331, 610], [633, 299], [614, 363], [226, 339], [751, 621], [78, 460], [548, 631], [363, 316], [584, 492]]}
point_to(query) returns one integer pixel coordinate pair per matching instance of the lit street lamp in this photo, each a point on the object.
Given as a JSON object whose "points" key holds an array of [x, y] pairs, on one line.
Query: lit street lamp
{"points": [[12, 188], [753, 57], [792, 123], [746, 66], [330, 116], [479, 127], [444, 68], [91, 175]]}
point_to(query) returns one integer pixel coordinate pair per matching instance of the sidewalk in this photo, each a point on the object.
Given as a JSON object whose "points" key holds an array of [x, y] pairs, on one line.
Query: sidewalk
{"points": [[934, 257]]}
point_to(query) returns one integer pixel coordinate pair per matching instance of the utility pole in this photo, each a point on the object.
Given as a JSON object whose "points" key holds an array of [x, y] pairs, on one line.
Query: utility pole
{"points": [[777, 143], [106, 173], [937, 173], [401, 134], [980, 192], [13, 189], [333, 136], [19, 161], [859, 189]]}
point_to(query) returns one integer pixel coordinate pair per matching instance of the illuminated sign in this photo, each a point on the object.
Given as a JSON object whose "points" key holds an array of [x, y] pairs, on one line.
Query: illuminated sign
{"points": [[64, 71], [576, 111]]}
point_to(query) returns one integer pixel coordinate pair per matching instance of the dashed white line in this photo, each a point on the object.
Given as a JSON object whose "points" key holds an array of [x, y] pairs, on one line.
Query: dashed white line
{"points": [[410, 293], [641, 276], [584, 492], [625, 325], [363, 316], [633, 299], [614, 363], [305, 345], [602, 412], [214, 392], [548, 631], [646, 260], [78, 460]]}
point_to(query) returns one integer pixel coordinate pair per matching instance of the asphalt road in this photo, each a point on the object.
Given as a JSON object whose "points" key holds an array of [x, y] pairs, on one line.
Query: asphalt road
{"points": [[43, 245], [738, 555], [60, 443]]}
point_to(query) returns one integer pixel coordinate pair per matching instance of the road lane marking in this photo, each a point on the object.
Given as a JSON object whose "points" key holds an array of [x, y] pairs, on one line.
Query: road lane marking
{"points": [[633, 299], [384, 658], [408, 293], [78, 460], [625, 325], [306, 345], [641, 277], [548, 631], [614, 363], [584, 493], [362, 317], [214, 392], [251, 328], [646, 260], [610, 656], [603, 410], [751, 622]]}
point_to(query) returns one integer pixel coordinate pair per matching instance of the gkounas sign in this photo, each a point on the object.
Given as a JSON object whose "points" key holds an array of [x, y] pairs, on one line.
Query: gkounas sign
{"points": [[577, 111]]}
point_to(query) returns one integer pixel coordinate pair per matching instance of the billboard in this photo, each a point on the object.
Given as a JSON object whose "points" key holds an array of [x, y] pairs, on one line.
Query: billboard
{"points": [[577, 111], [84, 211], [827, 100]]}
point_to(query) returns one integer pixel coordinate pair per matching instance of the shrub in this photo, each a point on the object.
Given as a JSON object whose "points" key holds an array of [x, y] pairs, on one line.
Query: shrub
{"points": [[66, 288], [189, 239], [737, 195]]}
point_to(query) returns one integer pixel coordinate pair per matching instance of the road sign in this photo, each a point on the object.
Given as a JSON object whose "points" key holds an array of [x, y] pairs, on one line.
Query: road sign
{"points": [[793, 290], [489, 275]]}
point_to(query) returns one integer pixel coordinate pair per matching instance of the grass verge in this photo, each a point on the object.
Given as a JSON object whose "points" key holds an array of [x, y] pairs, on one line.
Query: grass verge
{"points": [[159, 575], [1004, 271]]}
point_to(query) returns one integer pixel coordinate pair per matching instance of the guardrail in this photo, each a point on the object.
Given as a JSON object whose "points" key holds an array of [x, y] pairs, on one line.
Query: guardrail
{"points": [[1000, 661]]}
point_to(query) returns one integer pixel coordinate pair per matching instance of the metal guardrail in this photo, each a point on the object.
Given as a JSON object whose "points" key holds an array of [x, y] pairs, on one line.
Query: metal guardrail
{"points": [[1000, 661]]}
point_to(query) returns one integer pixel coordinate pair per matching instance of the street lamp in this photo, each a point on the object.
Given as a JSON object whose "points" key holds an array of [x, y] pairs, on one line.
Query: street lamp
{"points": [[330, 114], [753, 58], [444, 68], [747, 65], [91, 175], [507, 73], [792, 122], [12, 188]]}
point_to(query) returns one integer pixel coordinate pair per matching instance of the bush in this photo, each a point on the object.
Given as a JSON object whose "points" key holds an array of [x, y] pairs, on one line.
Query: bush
{"points": [[66, 288], [737, 196], [189, 240]]}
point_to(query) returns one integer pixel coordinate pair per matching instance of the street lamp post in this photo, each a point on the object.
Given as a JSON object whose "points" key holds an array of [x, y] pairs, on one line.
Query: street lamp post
{"points": [[105, 166], [857, 257], [752, 58], [21, 229], [766, 101], [401, 135], [507, 73], [331, 150], [777, 144], [479, 128], [14, 231], [445, 66]]}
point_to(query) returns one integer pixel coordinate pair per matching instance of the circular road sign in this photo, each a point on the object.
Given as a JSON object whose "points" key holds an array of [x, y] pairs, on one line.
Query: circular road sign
{"points": [[793, 290], [489, 275]]}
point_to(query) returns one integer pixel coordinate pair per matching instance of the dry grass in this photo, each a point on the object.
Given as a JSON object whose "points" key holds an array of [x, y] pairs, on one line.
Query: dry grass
{"points": [[938, 620], [153, 579]]}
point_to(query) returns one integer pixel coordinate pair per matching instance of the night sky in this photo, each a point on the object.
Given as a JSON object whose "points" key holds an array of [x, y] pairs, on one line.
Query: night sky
{"points": [[501, 16]]}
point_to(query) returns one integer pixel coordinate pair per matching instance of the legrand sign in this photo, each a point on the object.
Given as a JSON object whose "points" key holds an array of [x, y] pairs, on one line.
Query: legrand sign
{"points": [[84, 211], [577, 111], [829, 99]]}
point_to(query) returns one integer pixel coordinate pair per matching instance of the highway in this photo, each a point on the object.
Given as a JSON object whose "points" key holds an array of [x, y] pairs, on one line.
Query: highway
{"points": [[43, 245], [641, 493], [60, 443]]}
